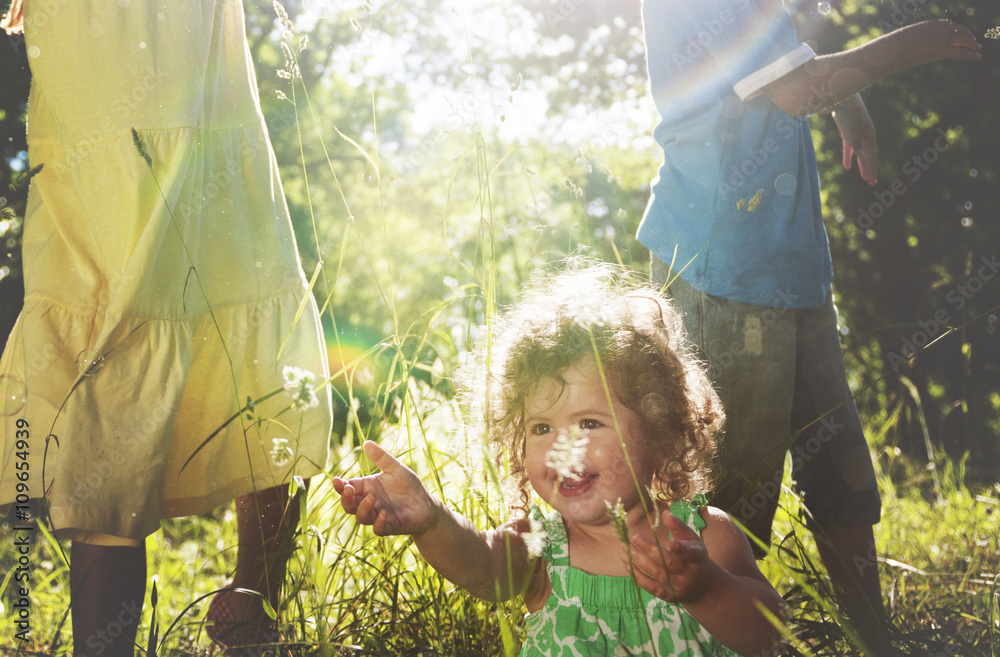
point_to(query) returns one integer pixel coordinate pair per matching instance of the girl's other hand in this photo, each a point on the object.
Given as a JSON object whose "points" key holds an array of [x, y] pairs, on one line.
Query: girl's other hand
{"points": [[678, 570], [393, 501]]}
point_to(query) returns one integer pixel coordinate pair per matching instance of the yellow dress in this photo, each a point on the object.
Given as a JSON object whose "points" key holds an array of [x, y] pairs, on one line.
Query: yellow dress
{"points": [[160, 296]]}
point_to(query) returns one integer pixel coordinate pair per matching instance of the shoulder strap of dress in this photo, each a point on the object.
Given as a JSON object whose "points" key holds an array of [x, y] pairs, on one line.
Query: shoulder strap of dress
{"points": [[687, 511]]}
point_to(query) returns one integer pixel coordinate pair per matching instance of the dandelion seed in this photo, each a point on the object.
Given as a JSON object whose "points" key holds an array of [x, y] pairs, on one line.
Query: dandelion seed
{"points": [[139, 147], [617, 514], [754, 202], [567, 454], [536, 539], [299, 384]]}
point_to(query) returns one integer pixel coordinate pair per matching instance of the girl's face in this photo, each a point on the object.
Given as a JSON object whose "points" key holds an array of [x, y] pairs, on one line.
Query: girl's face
{"points": [[579, 400]]}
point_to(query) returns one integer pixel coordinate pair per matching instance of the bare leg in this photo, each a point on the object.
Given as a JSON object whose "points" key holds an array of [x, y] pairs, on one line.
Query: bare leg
{"points": [[266, 524], [849, 555], [108, 584]]}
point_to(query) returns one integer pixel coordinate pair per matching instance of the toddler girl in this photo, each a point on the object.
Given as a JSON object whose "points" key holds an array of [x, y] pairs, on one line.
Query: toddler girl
{"points": [[594, 398]]}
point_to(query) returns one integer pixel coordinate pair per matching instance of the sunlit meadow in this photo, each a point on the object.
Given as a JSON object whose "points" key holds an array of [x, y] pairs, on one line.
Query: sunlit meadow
{"points": [[425, 186]]}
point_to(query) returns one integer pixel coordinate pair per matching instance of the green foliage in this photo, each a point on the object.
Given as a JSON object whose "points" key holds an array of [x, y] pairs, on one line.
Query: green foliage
{"points": [[914, 273]]}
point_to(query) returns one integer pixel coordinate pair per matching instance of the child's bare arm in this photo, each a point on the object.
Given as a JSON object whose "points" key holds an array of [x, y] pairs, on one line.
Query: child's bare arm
{"points": [[492, 565], [715, 577], [829, 79]]}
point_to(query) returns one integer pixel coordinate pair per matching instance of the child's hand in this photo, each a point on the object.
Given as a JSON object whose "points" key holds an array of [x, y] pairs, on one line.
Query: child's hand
{"points": [[679, 572], [931, 41], [393, 501], [858, 134]]}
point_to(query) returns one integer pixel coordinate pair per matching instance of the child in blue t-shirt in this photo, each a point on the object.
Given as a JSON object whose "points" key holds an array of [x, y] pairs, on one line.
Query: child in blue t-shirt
{"points": [[733, 85]]}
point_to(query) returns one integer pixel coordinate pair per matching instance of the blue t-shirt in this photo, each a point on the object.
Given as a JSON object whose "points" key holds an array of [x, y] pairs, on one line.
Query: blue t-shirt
{"points": [[723, 141]]}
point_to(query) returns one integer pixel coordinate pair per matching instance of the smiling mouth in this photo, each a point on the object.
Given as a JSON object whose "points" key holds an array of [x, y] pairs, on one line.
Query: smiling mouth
{"points": [[575, 486]]}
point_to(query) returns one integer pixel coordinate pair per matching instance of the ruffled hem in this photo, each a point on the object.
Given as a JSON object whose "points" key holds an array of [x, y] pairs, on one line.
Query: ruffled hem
{"points": [[115, 427]]}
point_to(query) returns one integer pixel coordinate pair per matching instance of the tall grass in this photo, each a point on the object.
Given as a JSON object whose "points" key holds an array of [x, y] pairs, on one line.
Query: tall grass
{"points": [[350, 593]]}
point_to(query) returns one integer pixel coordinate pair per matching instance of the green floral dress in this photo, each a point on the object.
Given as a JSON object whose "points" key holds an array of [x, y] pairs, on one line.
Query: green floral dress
{"points": [[588, 615]]}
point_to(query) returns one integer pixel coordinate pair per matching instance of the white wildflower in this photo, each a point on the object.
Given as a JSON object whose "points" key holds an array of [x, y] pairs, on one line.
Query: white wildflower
{"points": [[536, 539], [300, 386], [281, 453], [567, 454]]}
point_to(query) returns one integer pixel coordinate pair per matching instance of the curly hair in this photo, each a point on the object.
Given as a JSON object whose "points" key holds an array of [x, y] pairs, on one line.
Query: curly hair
{"points": [[600, 313]]}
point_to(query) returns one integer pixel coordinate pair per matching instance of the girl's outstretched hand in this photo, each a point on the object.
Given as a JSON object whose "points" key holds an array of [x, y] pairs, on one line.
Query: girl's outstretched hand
{"points": [[393, 501], [678, 570], [934, 40]]}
